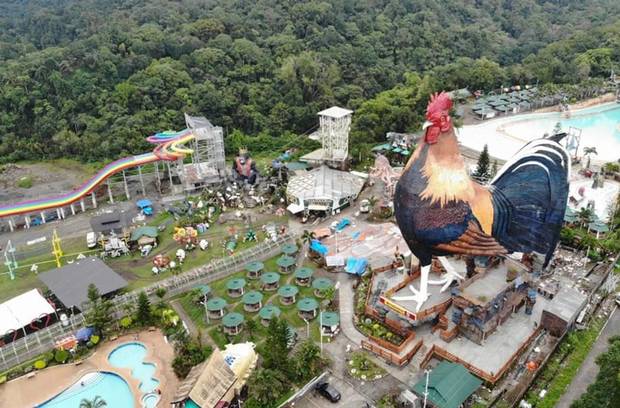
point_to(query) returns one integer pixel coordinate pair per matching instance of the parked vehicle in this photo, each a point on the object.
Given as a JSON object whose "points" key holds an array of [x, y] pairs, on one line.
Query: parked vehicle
{"points": [[365, 206], [328, 391], [91, 239]]}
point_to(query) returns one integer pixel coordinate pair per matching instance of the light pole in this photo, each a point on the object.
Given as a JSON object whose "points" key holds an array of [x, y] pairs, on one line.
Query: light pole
{"points": [[307, 327], [321, 329], [206, 310], [427, 372]]}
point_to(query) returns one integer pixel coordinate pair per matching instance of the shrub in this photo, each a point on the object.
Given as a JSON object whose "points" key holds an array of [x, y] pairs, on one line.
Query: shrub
{"points": [[61, 356], [126, 322], [24, 182], [40, 364], [94, 339], [48, 357], [3, 379]]}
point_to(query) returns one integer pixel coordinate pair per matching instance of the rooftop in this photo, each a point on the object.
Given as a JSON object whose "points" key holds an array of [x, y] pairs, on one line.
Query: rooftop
{"points": [[449, 385], [232, 319], [70, 282], [288, 291], [252, 298], [270, 278], [113, 221], [269, 311], [324, 183], [21, 310], [335, 112], [567, 303], [307, 304]]}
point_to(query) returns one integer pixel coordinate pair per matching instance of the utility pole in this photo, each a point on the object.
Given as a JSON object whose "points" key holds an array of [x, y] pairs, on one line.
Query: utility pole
{"points": [[427, 372]]}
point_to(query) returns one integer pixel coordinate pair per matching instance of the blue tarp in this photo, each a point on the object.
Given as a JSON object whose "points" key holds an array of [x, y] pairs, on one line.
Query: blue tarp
{"points": [[144, 203], [356, 266], [316, 246], [356, 235], [343, 224], [84, 333]]}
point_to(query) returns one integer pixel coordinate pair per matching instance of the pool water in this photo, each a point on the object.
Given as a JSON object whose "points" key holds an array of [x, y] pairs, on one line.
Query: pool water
{"points": [[110, 387], [505, 135], [131, 355]]}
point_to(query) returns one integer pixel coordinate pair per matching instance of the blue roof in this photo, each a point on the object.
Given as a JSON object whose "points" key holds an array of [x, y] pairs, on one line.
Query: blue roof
{"points": [[356, 266], [144, 203], [316, 246], [84, 333]]}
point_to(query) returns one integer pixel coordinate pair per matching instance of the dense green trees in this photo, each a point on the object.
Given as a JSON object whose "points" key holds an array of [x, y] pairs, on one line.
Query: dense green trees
{"points": [[99, 311], [91, 79], [605, 391]]}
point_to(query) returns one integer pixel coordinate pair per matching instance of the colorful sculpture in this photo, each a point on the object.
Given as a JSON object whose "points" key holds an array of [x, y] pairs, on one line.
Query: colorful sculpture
{"points": [[244, 168], [187, 236], [440, 210], [161, 262]]}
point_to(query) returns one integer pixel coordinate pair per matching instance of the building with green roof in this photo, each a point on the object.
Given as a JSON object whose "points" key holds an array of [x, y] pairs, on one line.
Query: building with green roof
{"points": [[270, 281], [307, 308], [303, 276], [235, 287], [289, 249], [286, 263], [287, 294], [232, 323], [320, 285], [267, 313], [254, 268], [216, 307], [449, 385], [252, 301], [330, 323]]}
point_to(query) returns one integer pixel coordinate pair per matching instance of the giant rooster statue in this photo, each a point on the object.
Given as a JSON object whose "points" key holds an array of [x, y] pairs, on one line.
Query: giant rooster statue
{"points": [[440, 210]]}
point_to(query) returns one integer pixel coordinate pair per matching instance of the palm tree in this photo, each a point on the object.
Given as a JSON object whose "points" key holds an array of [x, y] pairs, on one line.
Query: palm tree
{"points": [[96, 402], [585, 216], [587, 151], [308, 236]]}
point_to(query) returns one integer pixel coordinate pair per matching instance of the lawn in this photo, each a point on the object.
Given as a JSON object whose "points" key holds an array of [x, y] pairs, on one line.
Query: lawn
{"points": [[196, 311]]}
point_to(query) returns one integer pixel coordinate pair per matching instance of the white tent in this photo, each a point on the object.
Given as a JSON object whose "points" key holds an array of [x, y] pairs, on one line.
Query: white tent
{"points": [[21, 310]]}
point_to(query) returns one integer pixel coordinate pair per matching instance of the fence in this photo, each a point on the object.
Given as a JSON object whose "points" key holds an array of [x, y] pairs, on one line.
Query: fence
{"points": [[43, 340]]}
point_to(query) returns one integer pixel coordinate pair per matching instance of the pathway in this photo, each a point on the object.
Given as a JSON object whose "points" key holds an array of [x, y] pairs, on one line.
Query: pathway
{"points": [[194, 331], [346, 299], [589, 369]]}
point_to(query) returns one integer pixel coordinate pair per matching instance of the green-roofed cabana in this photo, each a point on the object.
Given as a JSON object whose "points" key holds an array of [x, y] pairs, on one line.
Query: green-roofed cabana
{"points": [[235, 287], [449, 385], [216, 307], [330, 323], [303, 276], [270, 281], [144, 235], [254, 268], [307, 308], [286, 263], [203, 291], [287, 294], [381, 147], [320, 285], [232, 323], [598, 227], [267, 313], [396, 149], [289, 249], [252, 301]]}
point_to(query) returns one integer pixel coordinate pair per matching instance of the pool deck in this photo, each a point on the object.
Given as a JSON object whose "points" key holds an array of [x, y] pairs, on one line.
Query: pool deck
{"points": [[47, 383]]}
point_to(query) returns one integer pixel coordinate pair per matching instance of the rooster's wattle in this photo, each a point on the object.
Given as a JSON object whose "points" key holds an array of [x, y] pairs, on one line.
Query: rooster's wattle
{"points": [[440, 210]]}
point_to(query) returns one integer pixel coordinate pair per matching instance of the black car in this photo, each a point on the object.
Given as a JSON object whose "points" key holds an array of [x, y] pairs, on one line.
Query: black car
{"points": [[327, 391]]}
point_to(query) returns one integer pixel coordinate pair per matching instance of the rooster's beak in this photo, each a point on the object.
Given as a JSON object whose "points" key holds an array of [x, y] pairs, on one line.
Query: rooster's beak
{"points": [[427, 124]]}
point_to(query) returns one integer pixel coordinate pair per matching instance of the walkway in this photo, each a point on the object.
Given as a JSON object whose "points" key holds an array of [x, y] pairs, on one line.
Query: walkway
{"points": [[346, 299], [191, 326], [589, 369]]}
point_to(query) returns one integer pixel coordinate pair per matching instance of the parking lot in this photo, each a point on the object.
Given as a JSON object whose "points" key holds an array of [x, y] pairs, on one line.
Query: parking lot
{"points": [[351, 398]]}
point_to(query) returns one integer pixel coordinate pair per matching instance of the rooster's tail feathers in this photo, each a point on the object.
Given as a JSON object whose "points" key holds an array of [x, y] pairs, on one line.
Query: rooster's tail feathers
{"points": [[529, 198]]}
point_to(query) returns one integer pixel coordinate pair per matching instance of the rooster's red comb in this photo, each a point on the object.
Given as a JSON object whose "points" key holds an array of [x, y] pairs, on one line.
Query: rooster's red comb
{"points": [[440, 102]]}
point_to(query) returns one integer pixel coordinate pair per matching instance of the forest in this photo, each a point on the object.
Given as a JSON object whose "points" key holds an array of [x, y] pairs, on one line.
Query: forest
{"points": [[90, 79]]}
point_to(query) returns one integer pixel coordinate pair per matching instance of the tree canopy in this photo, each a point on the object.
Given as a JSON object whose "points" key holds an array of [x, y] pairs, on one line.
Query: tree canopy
{"points": [[91, 79]]}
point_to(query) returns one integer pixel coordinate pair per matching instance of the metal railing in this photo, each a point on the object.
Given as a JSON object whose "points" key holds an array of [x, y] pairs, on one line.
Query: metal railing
{"points": [[43, 340]]}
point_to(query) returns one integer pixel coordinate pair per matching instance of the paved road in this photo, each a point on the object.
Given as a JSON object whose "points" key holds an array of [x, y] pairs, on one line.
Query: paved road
{"points": [[588, 370]]}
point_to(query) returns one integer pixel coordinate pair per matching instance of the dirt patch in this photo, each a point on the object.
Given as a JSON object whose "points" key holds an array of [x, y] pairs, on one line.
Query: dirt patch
{"points": [[47, 179]]}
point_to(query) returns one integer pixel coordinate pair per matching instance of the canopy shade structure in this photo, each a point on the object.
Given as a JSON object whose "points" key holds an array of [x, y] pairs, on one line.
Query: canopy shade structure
{"points": [[204, 289], [396, 149], [317, 247], [70, 282], [21, 310], [216, 304], [381, 147], [270, 278], [288, 291], [232, 319], [84, 333], [598, 227], [330, 318], [289, 249], [140, 232], [303, 273], [356, 266], [254, 266], [307, 304], [144, 203], [449, 385], [322, 283], [269, 312], [252, 298], [285, 261], [235, 284]]}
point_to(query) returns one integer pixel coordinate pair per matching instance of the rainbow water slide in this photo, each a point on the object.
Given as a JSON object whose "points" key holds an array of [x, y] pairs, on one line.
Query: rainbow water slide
{"points": [[169, 147]]}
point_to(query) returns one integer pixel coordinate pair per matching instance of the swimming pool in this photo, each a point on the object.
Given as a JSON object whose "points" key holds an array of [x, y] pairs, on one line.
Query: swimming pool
{"points": [[131, 355], [108, 386], [504, 136]]}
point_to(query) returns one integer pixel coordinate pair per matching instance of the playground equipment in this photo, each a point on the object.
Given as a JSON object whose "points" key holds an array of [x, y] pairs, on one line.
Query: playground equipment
{"points": [[9, 259], [207, 166], [56, 249]]}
